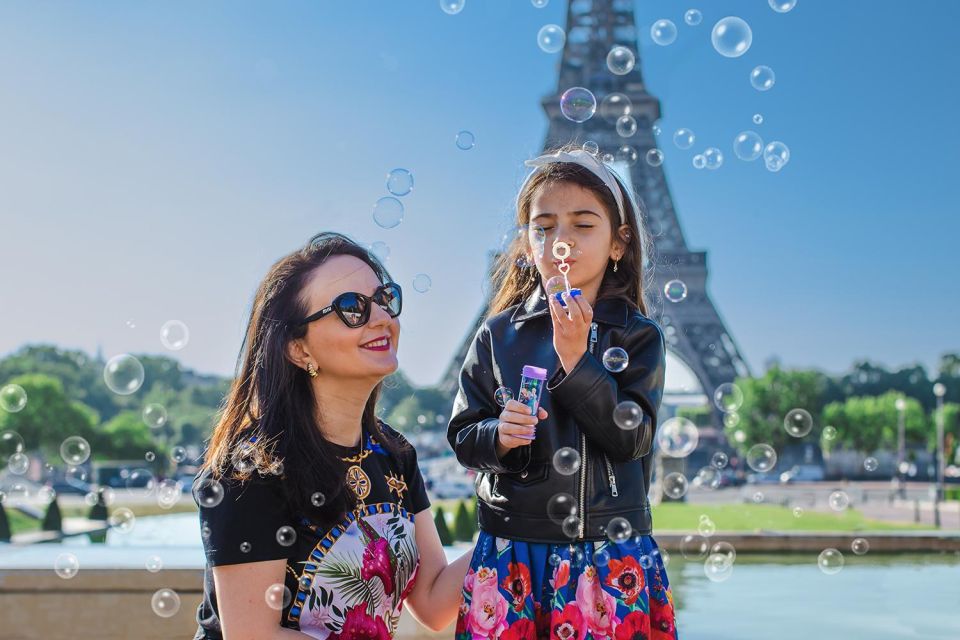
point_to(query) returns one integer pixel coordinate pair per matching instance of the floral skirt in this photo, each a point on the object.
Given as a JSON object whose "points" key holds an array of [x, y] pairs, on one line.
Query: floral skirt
{"points": [[586, 591]]}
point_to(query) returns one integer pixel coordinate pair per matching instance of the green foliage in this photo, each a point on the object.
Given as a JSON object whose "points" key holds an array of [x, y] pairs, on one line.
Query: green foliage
{"points": [[463, 524], [49, 415], [124, 437], [869, 423], [52, 519], [768, 399], [700, 416], [440, 520]]}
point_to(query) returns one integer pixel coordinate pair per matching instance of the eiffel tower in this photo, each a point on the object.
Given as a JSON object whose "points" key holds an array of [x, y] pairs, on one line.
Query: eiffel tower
{"points": [[693, 329]]}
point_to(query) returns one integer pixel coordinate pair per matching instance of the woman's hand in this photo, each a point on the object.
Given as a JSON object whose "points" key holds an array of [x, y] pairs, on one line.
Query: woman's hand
{"points": [[571, 326], [517, 426]]}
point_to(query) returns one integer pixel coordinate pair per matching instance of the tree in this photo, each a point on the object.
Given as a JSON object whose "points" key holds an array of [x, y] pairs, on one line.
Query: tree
{"points": [[767, 400], [52, 519], [868, 423], [125, 436], [49, 417], [463, 524], [440, 520]]}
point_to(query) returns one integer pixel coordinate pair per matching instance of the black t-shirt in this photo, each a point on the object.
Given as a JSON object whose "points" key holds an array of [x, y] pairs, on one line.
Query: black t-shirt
{"points": [[330, 569]]}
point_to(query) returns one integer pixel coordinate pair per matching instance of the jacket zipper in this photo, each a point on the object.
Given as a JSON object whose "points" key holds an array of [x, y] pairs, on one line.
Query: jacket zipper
{"points": [[583, 456]]}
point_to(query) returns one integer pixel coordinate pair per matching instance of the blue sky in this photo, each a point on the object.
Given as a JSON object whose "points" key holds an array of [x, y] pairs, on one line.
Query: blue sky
{"points": [[158, 157]]}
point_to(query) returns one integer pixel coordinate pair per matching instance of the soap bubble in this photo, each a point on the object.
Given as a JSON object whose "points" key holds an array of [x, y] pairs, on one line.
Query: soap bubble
{"points": [[571, 527], [762, 78], [618, 530], [720, 460], [503, 395], [46, 494], [422, 282], [728, 397], [693, 17], [621, 60], [566, 461], [539, 4], [66, 565], [607, 158], [797, 512], [707, 477], [123, 374], [614, 106], [731, 419], [628, 415], [761, 458], [699, 162], [13, 398], [782, 6], [400, 182], [776, 155], [870, 464], [561, 506], [615, 359], [591, 147], [829, 433], [655, 127], [122, 520], [675, 290], [798, 422], [245, 547], [154, 415], [757, 118], [726, 550], [654, 157], [860, 546], [551, 38], [684, 138], [578, 104], [748, 146], [18, 463], [380, 248], [627, 155], [286, 535], [707, 528], [626, 126], [830, 561], [663, 32], [278, 596], [10, 443], [601, 558], [694, 547], [716, 568], [388, 212], [208, 492], [140, 480], [165, 603], [678, 437], [178, 454], [318, 499], [838, 500], [75, 450], [465, 140], [154, 564], [555, 285], [174, 335], [731, 37], [169, 492], [713, 158]]}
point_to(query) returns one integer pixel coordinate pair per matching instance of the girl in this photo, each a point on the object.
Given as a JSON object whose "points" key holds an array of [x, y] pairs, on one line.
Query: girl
{"points": [[314, 517], [565, 549]]}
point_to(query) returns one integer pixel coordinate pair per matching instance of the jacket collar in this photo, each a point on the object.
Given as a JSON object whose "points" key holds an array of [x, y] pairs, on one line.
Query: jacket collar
{"points": [[613, 311]]}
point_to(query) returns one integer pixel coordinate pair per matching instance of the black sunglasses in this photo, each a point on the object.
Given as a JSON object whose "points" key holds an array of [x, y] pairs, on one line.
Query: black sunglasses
{"points": [[354, 308]]}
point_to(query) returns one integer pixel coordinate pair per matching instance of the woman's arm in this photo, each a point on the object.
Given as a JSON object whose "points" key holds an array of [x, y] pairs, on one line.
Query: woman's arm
{"points": [[242, 601], [435, 599]]}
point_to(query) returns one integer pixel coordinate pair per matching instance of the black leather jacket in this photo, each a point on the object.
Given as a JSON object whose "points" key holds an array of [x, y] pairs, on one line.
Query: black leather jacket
{"points": [[614, 475]]}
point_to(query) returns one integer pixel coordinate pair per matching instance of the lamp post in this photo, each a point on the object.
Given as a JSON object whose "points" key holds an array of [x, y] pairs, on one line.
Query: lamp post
{"points": [[901, 405], [939, 390]]}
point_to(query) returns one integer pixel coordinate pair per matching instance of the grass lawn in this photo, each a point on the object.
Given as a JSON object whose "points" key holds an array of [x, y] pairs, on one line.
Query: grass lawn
{"points": [[682, 516]]}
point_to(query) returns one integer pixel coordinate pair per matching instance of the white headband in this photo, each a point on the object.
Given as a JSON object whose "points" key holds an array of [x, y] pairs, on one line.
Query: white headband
{"points": [[589, 162]]}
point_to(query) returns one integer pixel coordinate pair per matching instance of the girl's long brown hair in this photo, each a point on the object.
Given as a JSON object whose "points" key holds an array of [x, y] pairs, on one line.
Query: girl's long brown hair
{"points": [[267, 422], [515, 279]]}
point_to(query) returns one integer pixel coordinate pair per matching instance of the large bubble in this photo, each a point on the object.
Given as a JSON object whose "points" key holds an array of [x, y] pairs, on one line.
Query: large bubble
{"points": [[663, 32], [678, 437], [621, 60], [748, 146], [578, 104], [388, 212], [731, 37], [174, 335], [13, 398], [123, 374], [762, 78], [400, 182], [551, 38]]}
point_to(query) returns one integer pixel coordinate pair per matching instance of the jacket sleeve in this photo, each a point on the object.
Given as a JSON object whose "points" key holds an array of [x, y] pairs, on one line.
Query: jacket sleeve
{"points": [[591, 393], [472, 431]]}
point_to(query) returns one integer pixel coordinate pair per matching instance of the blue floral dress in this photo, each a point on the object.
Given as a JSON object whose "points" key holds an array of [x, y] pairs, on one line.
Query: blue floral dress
{"points": [[518, 590]]}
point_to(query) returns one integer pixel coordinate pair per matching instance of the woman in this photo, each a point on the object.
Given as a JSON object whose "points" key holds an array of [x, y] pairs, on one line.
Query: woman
{"points": [[313, 512]]}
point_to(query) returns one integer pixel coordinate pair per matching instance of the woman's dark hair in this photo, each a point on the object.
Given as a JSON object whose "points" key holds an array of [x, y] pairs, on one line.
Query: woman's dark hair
{"points": [[267, 424], [514, 279]]}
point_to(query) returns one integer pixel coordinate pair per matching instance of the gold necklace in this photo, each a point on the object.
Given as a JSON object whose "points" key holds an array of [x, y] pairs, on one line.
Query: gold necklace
{"points": [[357, 479]]}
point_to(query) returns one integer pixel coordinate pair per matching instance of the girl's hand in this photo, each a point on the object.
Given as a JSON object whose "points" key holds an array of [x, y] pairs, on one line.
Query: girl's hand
{"points": [[571, 326], [517, 427]]}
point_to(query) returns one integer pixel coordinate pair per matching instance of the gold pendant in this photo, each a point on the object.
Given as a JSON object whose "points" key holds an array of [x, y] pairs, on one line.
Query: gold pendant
{"points": [[358, 481]]}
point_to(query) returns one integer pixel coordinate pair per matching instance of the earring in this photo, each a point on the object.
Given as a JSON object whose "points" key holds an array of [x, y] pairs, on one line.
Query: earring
{"points": [[311, 370], [616, 263]]}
